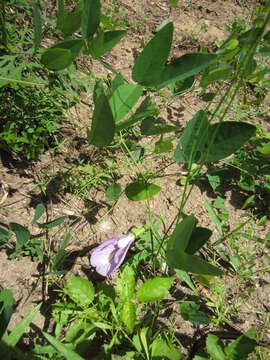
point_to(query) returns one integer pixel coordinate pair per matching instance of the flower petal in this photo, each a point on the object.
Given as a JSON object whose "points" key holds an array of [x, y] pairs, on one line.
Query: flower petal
{"points": [[108, 256]]}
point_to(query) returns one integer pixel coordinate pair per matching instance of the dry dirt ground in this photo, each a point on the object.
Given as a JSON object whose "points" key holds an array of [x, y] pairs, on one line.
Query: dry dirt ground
{"points": [[195, 24]]}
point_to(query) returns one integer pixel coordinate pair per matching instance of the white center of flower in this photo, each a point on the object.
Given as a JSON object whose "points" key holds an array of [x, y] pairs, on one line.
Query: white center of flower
{"points": [[122, 243]]}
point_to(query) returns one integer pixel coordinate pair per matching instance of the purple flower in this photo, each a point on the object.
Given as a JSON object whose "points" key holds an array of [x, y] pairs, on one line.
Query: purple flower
{"points": [[108, 256]]}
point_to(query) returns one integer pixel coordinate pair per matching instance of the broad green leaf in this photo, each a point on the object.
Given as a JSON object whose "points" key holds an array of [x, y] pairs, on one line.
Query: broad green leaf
{"points": [[242, 346], [39, 211], [213, 216], [181, 234], [70, 22], [215, 347], [149, 127], [103, 126], [98, 90], [56, 59], [190, 311], [154, 289], [123, 99], [6, 309], [163, 146], [113, 192], [180, 260], [197, 239], [128, 315], [184, 67], [60, 12], [117, 81], [111, 38], [21, 232], [62, 54], [192, 139], [37, 26], [223, 72], [138, 191], [20, 328], [66, 351], [80, 290], [96, 46], [90, 17], [162, 350], [182, 86], [53, 223], [231, 136], [126, 282], [151, 61], [147, 109]]}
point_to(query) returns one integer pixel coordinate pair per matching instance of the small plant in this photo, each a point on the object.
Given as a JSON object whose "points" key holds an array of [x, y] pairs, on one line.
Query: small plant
{"points": [[29, 120]]}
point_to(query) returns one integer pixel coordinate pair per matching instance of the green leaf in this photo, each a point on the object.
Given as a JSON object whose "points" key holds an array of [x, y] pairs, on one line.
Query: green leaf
{"points": [[66, 351], [162, 350], [6, 309], [37, 26], [103, 126], [39, 211], [90, 17], [264, 51], [149, 127], [242, 346], [70, 22], [213, 216], [163, 146], [198, 238], [223, 72], [75, 331], [15, 335], [113, 192], [80, 290], [139, 191], [56, 59], [215, 347], [265, 150], [96, 46], [150, 63], [180, 260], [5, 235], [62, 54], [123, 99], [181, 234], [126, 282], [22, 234], [146, 109], [61, 253], [154, 289], [128, 315], [117, 81], [191, 141], [174, 2], [53, 223], [111, 38], [190, 311], [231, 136], [184, 67], [182, 86], [183, 275]]}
